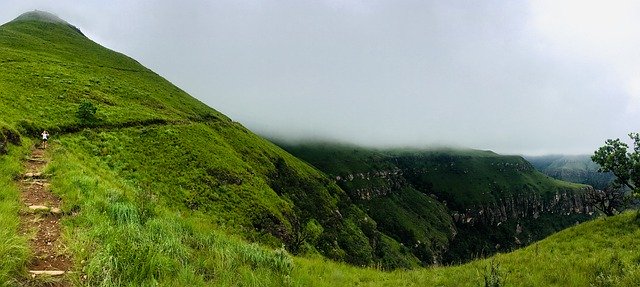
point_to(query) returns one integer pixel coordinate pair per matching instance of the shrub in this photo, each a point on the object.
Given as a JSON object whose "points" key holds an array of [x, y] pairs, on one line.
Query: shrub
{"points": [[493, 275], [86, 113]]}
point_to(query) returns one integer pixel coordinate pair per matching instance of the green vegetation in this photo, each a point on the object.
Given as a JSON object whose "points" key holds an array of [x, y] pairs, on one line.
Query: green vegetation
{"points": [[7, 136], [49, 70], [602, 252], [121, 235], [13, 248], [86, 114], [499, 202], [616, 158]]}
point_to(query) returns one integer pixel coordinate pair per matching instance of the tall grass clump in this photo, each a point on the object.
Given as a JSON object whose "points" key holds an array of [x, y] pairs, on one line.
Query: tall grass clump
{"points": [[493, 276], [14, 251]]}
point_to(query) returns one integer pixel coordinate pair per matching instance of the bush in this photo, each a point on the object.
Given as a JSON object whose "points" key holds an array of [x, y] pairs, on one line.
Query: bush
{"points": [[86, 113]]}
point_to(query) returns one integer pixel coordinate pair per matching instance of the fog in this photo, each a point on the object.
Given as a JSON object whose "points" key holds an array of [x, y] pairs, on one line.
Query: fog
{"points": [[518, 77]]}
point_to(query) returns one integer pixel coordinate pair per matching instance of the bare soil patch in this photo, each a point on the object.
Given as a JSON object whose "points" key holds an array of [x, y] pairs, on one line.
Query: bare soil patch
{"points": [[42, 227]]}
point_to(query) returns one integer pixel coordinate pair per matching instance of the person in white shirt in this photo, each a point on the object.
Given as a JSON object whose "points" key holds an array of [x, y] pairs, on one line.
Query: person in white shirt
{"points": [[45, 138]]}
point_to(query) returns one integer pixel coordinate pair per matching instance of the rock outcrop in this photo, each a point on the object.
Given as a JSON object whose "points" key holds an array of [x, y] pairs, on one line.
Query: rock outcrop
{"points": [[530, 205]]}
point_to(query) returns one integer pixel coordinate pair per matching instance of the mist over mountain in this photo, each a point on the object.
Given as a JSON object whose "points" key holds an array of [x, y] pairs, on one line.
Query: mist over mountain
{"points": [[572, 168], [516, 78]]}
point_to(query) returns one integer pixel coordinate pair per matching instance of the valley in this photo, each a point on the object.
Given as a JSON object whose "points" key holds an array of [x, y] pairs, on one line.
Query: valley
{"points": [[480, 202]]}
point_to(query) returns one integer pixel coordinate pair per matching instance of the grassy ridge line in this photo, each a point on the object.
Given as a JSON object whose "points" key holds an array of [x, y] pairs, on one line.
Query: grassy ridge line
{"points": [[14, 249], [602, 252], [225, 176], [47, 70]]}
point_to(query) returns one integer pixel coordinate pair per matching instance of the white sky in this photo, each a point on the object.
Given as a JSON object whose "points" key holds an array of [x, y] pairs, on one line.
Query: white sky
{"points": [[528, 77]]}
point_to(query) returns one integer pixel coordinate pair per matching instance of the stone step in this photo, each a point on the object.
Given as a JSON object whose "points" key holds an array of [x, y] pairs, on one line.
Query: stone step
{"points": [[42, 208], [37, 159], [34, 273], [40, 182], [37, 181], [33, 175]]}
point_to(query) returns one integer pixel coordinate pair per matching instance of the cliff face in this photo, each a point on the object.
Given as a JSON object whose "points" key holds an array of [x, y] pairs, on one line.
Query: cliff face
{"points": [[419, 222], [526, 205], [477, 202], [372, 184]]}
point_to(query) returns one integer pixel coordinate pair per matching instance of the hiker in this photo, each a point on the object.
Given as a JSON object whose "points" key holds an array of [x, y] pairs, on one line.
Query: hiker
{"points": [[45, 137]]}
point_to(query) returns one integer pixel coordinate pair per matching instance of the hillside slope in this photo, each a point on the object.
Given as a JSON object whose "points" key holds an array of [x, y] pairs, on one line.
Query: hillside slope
{"points": [[496, 202], [157, 163], [601, 252]]}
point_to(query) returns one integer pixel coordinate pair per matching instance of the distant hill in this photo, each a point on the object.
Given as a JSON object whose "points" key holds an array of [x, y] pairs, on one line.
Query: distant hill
{"points": [[496, 202], [572, 168]]}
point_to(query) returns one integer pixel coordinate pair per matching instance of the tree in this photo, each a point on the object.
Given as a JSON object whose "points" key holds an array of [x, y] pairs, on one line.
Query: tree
{"points": [[615, 157], [308, 234], [86, 113], [609, 201]]}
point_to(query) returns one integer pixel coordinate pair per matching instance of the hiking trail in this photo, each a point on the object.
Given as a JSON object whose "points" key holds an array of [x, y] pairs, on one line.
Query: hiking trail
{"points": [[40, 222]]}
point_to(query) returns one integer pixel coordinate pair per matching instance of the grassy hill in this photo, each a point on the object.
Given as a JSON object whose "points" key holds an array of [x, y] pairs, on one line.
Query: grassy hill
{"points": [[576, 168], [158, 181], [497, 202]]}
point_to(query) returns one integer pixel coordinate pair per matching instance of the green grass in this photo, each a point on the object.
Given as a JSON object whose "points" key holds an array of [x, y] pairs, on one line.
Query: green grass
{"points": [[118, 245], [49, 69], [14, 250], [121, 236], [601, 252], [579, 168]]}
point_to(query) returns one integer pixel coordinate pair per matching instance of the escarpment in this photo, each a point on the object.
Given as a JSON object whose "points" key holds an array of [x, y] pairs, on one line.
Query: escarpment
{"points": [[516, 203], [530, 205], [372, 184], [491, 202]]}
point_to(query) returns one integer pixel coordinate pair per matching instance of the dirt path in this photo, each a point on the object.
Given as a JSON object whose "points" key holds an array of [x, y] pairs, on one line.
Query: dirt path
{"points": [[40, 221]]}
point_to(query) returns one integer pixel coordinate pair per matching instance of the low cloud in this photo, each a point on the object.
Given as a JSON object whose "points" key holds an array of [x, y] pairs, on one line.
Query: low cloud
{"points": [[521, 77]]}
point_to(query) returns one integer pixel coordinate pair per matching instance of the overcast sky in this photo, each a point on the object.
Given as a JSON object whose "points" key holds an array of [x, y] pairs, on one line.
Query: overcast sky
{"points": [[525, 77]]}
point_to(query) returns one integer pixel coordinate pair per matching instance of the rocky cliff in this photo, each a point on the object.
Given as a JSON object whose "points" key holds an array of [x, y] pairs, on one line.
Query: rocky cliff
{"points": [[493, 202]]}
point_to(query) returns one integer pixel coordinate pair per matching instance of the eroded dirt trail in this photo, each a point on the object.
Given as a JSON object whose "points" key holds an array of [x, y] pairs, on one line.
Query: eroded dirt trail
{"points": [[40, 221]]}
